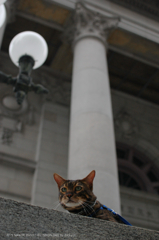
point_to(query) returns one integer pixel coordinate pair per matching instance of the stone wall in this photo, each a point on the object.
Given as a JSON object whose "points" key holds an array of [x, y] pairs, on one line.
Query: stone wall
{"points": [[40, 149], [52, 154], [22, 221], [137, 124], [140, 208], [19, 131]]}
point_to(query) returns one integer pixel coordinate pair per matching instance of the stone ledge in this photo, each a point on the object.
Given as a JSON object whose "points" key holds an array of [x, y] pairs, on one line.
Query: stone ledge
{"points": [[22, 221]]}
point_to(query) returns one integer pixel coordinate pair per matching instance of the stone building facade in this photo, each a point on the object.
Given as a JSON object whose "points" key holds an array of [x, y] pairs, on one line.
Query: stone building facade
{"points": [[102, 109]]}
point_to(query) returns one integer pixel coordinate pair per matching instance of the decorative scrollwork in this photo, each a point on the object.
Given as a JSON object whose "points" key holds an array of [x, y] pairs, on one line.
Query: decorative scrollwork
{"points": [[126, 125], [88, 23]]}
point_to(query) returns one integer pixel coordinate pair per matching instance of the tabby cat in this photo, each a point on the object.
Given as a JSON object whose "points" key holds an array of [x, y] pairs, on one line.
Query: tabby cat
{"points": [[77, 197]]}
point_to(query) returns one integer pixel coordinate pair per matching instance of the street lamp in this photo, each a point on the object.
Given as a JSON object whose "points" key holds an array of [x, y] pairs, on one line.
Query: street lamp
{"points": [[28, 50]]}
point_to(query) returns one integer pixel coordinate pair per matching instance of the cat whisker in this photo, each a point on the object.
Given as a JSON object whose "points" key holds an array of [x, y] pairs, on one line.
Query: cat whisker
{"points": [[81, 203], [84, 205], [85, 210], [88, 206], [54, 203], [56, 206], [90, 201]]}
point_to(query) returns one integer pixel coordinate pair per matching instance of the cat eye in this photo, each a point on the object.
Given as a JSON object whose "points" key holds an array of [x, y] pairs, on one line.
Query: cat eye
{"points": [[64, 189], [78, 188]]}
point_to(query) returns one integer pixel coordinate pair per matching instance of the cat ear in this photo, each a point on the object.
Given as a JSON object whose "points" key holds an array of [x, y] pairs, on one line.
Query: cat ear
{"points": [[58, 179], [89, 179]]}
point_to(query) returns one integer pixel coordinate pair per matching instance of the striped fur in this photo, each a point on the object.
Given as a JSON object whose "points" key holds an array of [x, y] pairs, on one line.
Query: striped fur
{"points": [[77, 197]]}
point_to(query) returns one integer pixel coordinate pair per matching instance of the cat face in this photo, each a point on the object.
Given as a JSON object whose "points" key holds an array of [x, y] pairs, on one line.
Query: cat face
{"points": [[73, 195]]}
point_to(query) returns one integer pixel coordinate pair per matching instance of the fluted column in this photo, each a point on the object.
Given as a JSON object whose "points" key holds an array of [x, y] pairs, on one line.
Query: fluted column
{"points": [[3, 20], [91, 143]]}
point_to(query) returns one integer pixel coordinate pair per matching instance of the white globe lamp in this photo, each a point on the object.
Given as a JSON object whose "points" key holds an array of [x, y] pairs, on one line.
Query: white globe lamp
{"points": [[27, 50], [31, 44]]}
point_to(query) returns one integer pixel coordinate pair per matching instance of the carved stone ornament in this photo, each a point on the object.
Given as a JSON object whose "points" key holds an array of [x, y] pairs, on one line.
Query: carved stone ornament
{"points": [[13, 117], [86, 23], [6, 136], [126, 125], [9, 126], [59, 89]]}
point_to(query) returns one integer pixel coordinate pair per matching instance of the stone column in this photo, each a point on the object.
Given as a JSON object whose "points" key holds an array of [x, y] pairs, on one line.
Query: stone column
{"points": [[3, 20], [91, 143]]}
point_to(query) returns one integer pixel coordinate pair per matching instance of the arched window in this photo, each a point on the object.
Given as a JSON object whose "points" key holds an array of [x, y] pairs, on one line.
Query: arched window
{"points": [[136, 170]]}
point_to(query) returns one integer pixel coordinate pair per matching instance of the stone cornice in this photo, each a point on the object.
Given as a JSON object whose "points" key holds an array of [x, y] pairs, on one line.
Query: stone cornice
{"points": [[17, 162], [130, 20], [147, 8]]}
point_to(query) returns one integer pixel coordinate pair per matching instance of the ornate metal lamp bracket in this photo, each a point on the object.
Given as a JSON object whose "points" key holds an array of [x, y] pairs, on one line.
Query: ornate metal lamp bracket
{"points": [[23, 82]]}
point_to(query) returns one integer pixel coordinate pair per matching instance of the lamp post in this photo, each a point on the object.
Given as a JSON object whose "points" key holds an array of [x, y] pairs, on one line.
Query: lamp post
{"points": [[28, 50]]}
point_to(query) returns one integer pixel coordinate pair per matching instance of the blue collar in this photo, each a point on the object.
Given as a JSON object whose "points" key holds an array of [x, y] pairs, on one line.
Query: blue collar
{"points": [[111, 210]]}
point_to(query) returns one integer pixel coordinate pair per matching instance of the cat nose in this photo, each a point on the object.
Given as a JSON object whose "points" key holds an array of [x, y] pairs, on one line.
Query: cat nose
{"points": [[69, 195]]}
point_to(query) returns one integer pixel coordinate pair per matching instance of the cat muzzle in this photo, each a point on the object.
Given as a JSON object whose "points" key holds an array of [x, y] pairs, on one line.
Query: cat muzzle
{"points": [[69, 195]]}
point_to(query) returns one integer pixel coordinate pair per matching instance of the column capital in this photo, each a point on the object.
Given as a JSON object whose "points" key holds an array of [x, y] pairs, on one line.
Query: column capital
{"points": [[87, 23]]}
